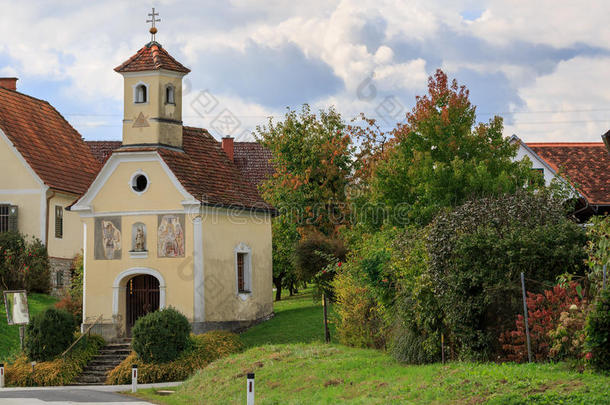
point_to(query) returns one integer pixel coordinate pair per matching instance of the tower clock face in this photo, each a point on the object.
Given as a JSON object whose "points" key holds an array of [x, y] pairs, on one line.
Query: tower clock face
{"points": [[141, 121]]}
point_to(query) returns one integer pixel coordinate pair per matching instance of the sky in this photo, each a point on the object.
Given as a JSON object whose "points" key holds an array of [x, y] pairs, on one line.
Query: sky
{"points": [[542, 65]]}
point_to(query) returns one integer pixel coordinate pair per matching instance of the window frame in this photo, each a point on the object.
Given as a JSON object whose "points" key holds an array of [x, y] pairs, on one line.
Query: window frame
{"points": [[146, 93], [170, 88], [4, 218], [59, 222], [133, 179], [245, 252]]}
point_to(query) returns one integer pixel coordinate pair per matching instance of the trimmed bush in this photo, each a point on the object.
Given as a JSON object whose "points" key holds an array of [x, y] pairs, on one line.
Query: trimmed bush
{"points": [[598, 332], [48, 334], [477, 252], [204, 349], [161, 336], [61, 371]]}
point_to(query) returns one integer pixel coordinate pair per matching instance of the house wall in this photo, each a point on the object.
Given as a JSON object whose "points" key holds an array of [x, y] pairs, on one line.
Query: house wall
{"points": [[155, 131], [213, 240], [536, 164], [71, 242], [20, 187]]}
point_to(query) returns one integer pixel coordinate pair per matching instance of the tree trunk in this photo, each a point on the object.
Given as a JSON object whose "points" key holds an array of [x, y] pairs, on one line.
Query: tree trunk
{"points": [[277, 281]]}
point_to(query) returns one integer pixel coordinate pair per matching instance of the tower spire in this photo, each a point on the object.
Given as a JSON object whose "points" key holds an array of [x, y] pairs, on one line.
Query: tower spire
{"points": [[153, 20]]}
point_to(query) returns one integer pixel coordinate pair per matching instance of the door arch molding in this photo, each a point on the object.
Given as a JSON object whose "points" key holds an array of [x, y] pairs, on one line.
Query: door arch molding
{"points": [[136, 271]]}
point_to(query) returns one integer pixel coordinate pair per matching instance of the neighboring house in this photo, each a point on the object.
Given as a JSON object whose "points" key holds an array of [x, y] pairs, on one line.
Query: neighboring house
{"points": [[45, 166], [170, 220], [585, 165]]}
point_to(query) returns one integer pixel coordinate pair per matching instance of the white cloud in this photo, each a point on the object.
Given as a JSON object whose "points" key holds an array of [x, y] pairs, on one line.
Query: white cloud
{"points": [[571, 104]]}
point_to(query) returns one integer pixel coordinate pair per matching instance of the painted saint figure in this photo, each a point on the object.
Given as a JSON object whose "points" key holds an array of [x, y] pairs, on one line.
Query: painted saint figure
{"points": [[111, 238], [140, 245]]}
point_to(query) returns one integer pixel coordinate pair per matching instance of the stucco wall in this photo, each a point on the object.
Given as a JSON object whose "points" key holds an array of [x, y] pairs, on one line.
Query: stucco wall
{"points": [[70, 244], [221, 232], [19, 187]]}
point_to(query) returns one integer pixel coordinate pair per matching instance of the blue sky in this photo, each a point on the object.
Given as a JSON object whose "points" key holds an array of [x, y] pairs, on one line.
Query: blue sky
{"points": [[541, 65]]}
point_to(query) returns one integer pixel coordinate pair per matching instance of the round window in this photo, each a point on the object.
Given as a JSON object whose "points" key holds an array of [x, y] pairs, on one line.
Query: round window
{"points": [[139, 183]]}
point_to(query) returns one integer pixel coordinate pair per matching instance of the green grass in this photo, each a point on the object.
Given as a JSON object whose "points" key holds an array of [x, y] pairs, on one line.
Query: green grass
{"points": [[294, 366], [9, 335], [329, 374], [298, 319]]}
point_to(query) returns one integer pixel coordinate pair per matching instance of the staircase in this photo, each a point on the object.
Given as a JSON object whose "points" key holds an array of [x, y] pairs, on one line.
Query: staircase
{"points": [[108, 358]]}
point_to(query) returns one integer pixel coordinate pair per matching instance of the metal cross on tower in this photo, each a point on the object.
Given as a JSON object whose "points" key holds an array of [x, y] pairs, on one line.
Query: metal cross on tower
{"points": [[153, 20]]}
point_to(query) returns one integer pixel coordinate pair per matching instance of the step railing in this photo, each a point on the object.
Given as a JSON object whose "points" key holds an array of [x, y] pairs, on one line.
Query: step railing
{"points": [[85, 332]]}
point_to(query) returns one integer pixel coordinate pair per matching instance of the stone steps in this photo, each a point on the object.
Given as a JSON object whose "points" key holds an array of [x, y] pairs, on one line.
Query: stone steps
{"points": [[110, 356]]}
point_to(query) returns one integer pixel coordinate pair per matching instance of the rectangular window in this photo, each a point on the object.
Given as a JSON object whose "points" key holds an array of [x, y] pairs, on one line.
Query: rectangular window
{"points": [[4, 214], [241, 272], [59, 222], [59, 278], [538, 177]]}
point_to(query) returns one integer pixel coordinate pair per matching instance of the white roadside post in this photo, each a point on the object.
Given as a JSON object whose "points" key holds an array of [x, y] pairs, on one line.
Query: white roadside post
{"points": [[250, 388], [1, 375], [134, 378]]}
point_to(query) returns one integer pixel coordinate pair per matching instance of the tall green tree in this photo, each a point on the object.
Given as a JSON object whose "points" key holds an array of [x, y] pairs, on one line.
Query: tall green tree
{"points": [[440, 157], [312, 157]]}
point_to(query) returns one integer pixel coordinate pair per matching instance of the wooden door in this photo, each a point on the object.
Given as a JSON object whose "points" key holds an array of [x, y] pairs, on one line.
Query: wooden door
{"points": [[142, 298]]}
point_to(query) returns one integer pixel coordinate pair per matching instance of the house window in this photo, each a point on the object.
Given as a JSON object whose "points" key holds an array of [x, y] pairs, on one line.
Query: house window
{"points": [[4, 210], [59, 222], [141, 96], [538, 177], [243, 268], [59, 278], [169, 95], [8, 218], [139, 182]]}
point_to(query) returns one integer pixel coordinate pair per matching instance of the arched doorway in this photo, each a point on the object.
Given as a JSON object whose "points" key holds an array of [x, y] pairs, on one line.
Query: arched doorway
{"points": [[142, 297]]}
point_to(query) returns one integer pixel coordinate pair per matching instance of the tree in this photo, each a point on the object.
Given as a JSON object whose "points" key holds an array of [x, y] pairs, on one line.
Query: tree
{"points": [[312, 157], [440, 157], [285, 238]]}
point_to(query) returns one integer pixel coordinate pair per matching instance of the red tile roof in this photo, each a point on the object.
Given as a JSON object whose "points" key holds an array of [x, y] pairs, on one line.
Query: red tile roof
{"points": [[151, 56], [47, 142], [586, 164], [102, 149], [205, 171], [254, 161]]}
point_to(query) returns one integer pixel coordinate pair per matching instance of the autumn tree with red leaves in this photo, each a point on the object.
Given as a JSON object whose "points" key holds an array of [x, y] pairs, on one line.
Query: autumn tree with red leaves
{"points": [[440, 157]]}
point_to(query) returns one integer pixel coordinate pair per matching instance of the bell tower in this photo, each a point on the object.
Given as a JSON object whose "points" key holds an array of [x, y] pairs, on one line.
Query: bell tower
{"points": [[152, 94]]}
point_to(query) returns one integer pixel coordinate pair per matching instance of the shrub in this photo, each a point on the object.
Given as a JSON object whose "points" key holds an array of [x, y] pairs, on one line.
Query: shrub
{"points": [[598, 249], [359, 322], [568, 339], [598, 332], [544, 314], [61, 371], [72, 300], [48, 334], [204, 349], [477, 252], [160, 337], [308, 259], [24, 264]]}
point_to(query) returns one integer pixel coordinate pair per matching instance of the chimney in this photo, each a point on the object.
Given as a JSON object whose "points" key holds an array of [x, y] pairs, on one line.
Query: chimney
{"points": [[606, 138], [227, 146], [9, 83]]}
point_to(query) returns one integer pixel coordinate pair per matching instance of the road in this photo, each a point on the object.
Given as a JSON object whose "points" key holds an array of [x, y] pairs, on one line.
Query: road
{"points": [[92, 394]]}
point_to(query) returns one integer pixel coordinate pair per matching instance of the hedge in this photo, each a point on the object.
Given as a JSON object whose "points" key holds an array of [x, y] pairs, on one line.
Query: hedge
{"points": [[204, 349], [60, 371]]}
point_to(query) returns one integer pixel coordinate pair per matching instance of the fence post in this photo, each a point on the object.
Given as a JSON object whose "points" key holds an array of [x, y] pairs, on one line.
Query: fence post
{"points": [[527, 328], [250, 389], [134, 378], [1, 375]]}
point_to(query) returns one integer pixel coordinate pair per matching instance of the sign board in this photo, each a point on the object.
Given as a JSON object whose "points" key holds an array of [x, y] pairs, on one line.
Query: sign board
{"points": [[16, 305]]}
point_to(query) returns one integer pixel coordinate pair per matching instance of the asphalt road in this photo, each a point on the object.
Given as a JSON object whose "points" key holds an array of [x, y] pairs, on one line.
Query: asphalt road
{"points": [[65, 396]]}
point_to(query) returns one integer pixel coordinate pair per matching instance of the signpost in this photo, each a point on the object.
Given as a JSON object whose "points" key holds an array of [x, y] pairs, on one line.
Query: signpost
{"points": [[17, 312]]}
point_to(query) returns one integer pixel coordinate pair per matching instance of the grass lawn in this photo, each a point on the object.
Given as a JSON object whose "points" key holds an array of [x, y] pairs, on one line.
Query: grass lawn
{"points": [[9, 335], [298, 319], [294, 366]]}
